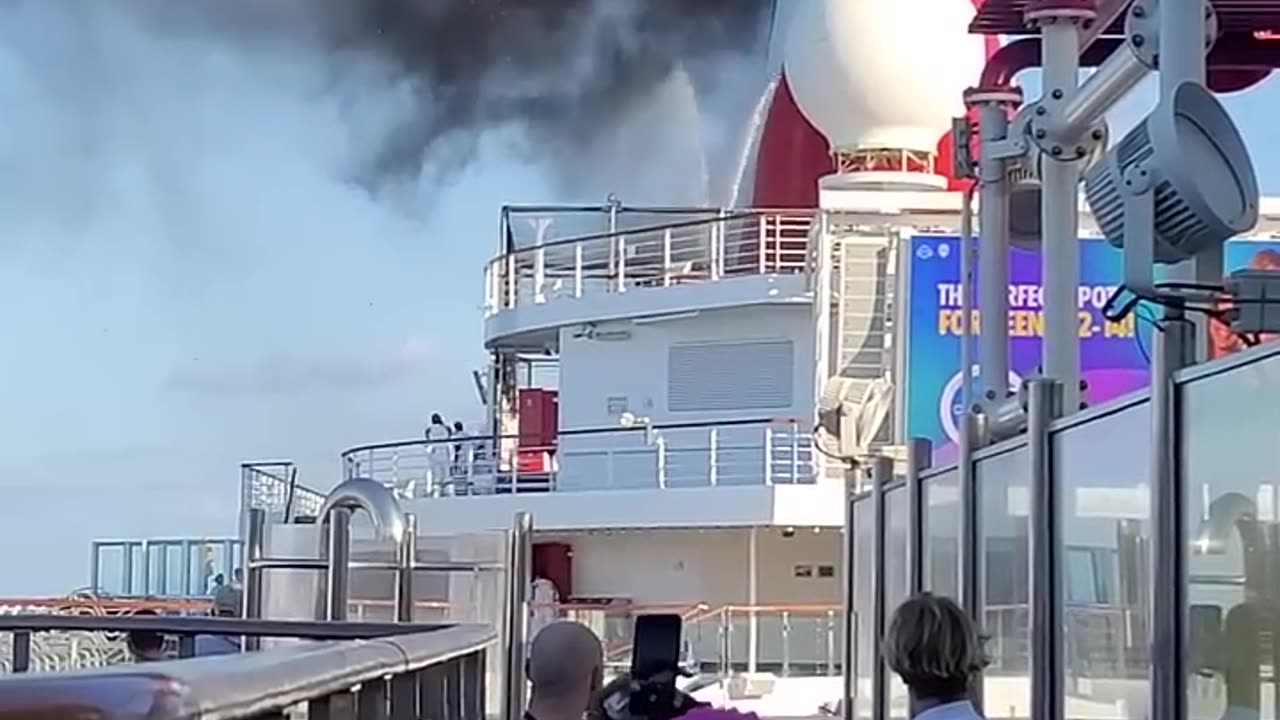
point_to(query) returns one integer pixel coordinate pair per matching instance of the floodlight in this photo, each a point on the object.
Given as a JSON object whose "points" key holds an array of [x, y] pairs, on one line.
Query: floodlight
{"points": [[1024, 187], [1179, 183]]}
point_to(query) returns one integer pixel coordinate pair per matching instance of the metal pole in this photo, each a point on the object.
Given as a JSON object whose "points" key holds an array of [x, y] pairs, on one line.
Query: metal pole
{"points": [[848, 561], [408, 551], [881, 470], [1043, 400], [919, 454], [519, 577], [753, 598], [993, 262], [254, 551], [95, 568], [970, 535], [1059, 219], [1112, 80], [338, 570], [1168, 527]]}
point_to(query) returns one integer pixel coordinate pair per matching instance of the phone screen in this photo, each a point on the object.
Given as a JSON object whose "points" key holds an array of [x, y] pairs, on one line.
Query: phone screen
{"points": [[657, 646]]}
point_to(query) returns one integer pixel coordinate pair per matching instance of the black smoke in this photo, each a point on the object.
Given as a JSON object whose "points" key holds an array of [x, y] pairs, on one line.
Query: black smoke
{"points": [[558, 70]]}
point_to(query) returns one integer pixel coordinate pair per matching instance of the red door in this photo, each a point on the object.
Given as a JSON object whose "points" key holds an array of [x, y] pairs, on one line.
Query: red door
{"points": [[554, 561]]}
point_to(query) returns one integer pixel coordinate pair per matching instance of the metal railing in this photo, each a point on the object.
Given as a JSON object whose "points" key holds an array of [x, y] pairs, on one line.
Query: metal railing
{"points": [[658, 456], [757, 242], [162, 567], [389, 671], [273, 486]]}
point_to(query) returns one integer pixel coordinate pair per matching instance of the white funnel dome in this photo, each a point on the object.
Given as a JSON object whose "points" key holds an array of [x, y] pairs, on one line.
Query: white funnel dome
{"points": [[882, 74]]}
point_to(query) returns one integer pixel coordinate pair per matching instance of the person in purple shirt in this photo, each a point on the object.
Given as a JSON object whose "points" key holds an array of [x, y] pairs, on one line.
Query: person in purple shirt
{"points": [[937, 650]]}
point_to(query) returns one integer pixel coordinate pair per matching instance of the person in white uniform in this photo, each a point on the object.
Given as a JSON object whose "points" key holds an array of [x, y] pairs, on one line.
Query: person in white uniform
{"points": [[437, 435], [544, 604]]}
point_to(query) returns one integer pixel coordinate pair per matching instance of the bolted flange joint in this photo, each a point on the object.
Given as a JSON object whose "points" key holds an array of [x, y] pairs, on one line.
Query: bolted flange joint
{"points": [[1036, 124], [1142, 30], [1044, 12], [1006, 95]]}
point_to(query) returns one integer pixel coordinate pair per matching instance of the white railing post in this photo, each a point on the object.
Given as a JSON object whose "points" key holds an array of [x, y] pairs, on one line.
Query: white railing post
{"points": [[795, 452], [539, 275], [577, 270], [511, 281], [763, 242], [715, 250], [666, 258], [768, 455], [622, 263], [713, 461], [660, 445]]}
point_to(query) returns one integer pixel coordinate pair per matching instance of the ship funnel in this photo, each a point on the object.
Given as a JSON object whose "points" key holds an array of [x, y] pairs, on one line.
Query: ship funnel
{"points": [[374, 498]]}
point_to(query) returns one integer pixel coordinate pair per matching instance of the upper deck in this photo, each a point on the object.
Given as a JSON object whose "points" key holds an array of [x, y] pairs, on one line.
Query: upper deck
{"points": [[563, 265]]}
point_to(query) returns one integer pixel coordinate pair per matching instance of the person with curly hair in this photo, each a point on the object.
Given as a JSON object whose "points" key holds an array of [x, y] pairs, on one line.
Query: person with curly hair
{"points": [[936, 649]]}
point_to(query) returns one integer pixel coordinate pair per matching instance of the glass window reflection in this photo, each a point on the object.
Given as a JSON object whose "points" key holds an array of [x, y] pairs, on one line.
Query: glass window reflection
{"points": [[1003, 504], [897, 580], [1103, 470], [1230, 426], [941, 534]]}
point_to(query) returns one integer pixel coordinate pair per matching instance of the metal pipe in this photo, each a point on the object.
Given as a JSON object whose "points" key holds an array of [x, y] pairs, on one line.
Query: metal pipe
{"points": [[408, 556], [254, 574], [1043, 396], [1060, 223], [881, 470], [1173, 345], [919, 452], [1116, 76], [848, 646], [970, 541], [516, 611], [338, 573], [1182, 40], [993, 263], [374, 498]]}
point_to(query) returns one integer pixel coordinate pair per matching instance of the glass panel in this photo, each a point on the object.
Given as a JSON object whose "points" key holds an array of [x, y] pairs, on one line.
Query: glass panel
{"points": [[1230, 426], [1106, 569], [897, 580], [864, 636], [941, 534], [1003, 503]]}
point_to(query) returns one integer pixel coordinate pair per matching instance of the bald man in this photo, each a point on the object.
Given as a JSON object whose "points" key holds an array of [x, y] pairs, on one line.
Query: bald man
{"points": [[565, 668]]}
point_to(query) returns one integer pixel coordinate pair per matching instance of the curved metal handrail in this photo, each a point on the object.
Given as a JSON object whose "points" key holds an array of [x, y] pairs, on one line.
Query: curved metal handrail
{"points": [[374, 498], [229, 687]]}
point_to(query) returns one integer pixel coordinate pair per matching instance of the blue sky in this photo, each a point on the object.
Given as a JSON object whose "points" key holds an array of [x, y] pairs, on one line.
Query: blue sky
{"points": [[186, 281]]}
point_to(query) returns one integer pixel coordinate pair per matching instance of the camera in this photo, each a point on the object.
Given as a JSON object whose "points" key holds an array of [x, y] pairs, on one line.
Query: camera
{"points": [[649, 691]]}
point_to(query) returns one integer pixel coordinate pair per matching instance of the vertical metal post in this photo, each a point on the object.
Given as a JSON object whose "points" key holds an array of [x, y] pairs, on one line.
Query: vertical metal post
{"points": [[126, 569], [146, 567], [95, 568], [970, 579], [919, 454], [753, 598], [1043, 405], [848, 646], [187, 588], [408, 557], [338, 570], [881, 471], [1059, 216], [993, 263], [1173, 350], [254, 552], [516, 607]]}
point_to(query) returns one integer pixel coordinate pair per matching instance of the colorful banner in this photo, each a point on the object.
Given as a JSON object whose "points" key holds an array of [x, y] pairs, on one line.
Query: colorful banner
{"points": [[1114, 356], [1240, 255]]}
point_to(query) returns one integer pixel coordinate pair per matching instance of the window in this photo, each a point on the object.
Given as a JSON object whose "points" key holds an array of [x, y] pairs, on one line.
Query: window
{"points": [[753, 375]]}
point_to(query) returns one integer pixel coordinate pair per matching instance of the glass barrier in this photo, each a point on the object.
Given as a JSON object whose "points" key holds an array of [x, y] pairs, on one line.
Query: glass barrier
{"points": [[941, 533], [1003, 504], [1106, 570], [1230, 422], [864, 636], [897, 579]]}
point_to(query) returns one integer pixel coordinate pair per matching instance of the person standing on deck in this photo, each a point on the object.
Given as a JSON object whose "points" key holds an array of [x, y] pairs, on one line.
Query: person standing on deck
{"points": [[544, 604], [437, 435]]}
